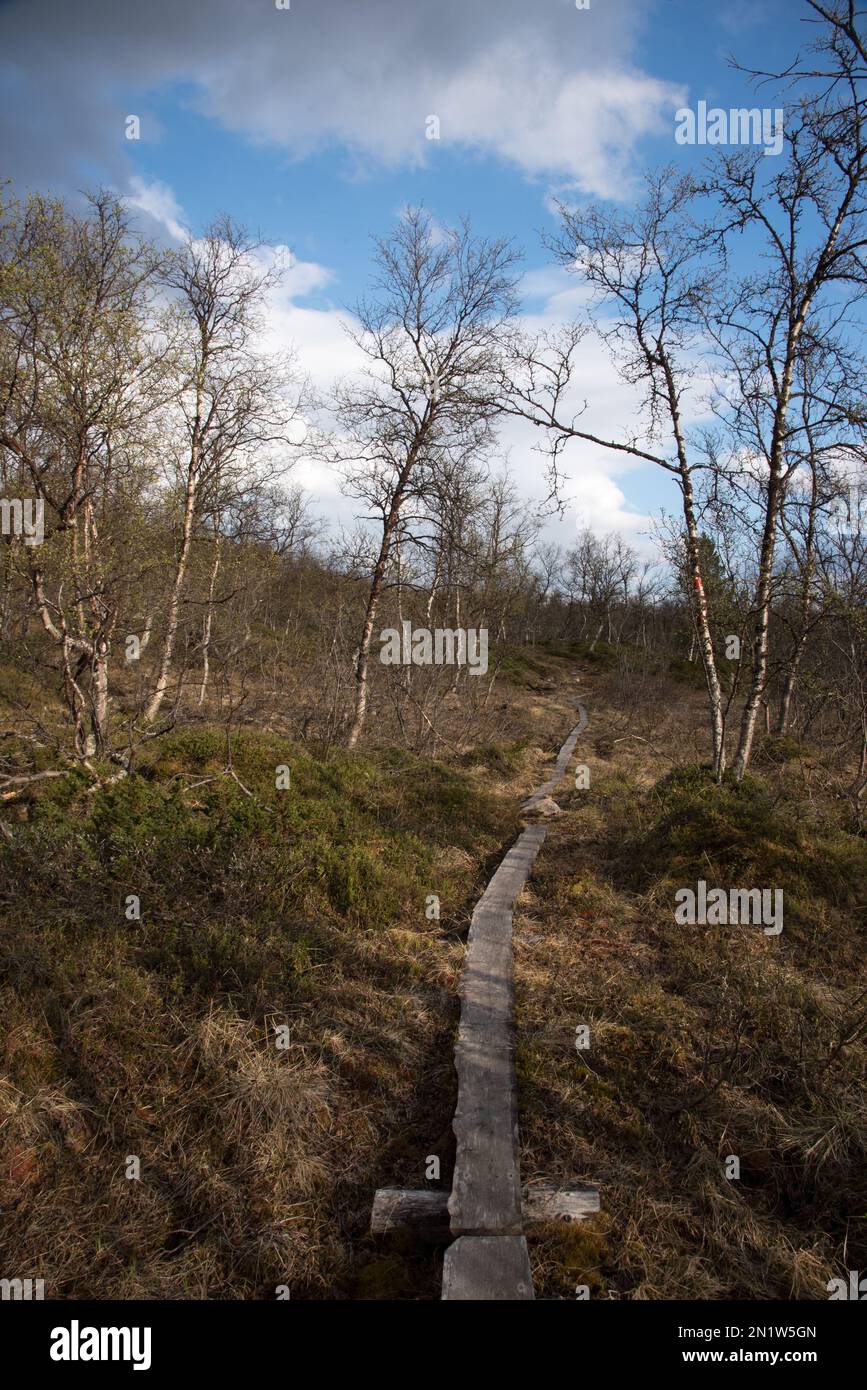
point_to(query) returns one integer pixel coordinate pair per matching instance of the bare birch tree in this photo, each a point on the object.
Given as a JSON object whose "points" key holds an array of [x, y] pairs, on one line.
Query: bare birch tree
{"points": [[233, 399], [80, 376], [653, 278], [432, 332]]}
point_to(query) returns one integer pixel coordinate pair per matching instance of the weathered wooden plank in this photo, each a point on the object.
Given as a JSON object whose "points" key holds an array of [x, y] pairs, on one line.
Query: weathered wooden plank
{"points": [[424, 1213], [544, 1202], [486, 1190], [487, 1268], [562, 761]]}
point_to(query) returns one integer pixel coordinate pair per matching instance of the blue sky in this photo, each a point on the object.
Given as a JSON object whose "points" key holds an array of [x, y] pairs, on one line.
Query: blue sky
{"points": [[308, 125], [325, 205]]}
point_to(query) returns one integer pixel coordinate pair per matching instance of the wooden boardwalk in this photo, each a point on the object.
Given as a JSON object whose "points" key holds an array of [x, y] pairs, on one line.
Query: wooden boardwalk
{"points": [[489, 1258], [487, 1213]]}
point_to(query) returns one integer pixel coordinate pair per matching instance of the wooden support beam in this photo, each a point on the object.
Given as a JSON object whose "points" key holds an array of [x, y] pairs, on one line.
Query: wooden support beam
{"points": [[542, 1202], [425, 1214]]}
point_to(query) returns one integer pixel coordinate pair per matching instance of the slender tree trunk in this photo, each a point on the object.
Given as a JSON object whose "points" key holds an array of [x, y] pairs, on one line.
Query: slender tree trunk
{"points": [[454, 685], [363, 657], [702, 624], [82, 650], [209, 616], [6, 607], [433, 588], [782, 726], [803, 610], [99, 676], [760, 637], [702, 621], [162, 682]]}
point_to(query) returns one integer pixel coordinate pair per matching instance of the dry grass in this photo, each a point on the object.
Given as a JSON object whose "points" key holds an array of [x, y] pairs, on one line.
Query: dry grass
{"points": [[258, 1163], [158, 1038], [705, 1042]]}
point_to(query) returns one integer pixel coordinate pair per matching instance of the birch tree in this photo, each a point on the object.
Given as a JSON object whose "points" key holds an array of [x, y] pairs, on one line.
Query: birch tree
{"points": [[81, 376], [803, 223], [234, 401], [653, 278], [432, 331]]}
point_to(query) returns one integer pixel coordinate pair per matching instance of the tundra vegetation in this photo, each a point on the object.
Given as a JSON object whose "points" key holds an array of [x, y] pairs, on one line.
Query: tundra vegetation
{"points": [[194, 719]]}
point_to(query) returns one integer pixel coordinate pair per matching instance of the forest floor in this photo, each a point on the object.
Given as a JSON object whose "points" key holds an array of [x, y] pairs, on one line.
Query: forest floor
{"points": [[705, 1042], [273, 1039]]}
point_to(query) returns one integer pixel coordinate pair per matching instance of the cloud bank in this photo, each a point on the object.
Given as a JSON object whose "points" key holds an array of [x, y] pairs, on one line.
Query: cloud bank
{"points": [[548, 88]]}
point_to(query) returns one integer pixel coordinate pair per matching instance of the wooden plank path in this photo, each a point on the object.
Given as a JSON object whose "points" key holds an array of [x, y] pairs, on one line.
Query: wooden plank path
{"points": [[487, 1212], [489, 1258], [486, 1188], [562, 761]]}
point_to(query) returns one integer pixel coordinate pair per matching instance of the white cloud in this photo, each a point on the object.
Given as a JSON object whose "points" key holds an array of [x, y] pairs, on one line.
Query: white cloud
{"points": [[553, 90], [599, 504], [530, 108], [595, 489], [157, 201]]}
